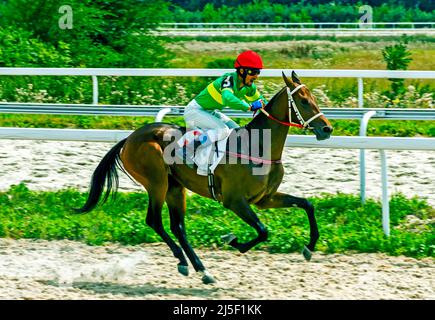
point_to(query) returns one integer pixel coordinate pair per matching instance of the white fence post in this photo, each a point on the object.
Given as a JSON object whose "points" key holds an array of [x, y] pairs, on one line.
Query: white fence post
{"points": [[94, 90], [362, 157], [161, 114], [360, 93], [385, 200]]}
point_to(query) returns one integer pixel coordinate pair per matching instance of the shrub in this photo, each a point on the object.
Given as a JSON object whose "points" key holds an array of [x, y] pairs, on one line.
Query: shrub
{"points": [[397, 57]]}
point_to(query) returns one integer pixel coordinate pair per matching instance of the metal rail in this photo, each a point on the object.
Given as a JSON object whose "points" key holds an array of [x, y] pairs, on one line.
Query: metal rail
{"points": [[149, 110]]}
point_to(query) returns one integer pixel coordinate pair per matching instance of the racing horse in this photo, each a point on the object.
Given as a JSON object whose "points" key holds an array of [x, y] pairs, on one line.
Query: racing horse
{"points": [[141, 156]]}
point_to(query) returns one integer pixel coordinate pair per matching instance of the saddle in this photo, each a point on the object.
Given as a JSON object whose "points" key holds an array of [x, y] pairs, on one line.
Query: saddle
{"points": [[202, 158]]}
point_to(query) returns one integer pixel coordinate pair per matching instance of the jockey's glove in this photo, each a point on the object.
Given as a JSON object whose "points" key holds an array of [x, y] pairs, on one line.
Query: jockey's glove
{"points": [[258, 104]]}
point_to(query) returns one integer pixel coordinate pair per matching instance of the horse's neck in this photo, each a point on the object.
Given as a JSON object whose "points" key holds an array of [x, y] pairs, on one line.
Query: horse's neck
{"points": [[278, 131]]}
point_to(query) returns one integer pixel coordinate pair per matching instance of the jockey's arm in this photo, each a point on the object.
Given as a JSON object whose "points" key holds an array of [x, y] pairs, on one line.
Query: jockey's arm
{"points": [[255, 95], [230, 100]]}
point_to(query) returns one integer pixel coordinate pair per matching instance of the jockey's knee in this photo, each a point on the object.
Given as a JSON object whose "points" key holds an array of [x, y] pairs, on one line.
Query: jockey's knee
{"points": [[218, 133], [222, 133]]}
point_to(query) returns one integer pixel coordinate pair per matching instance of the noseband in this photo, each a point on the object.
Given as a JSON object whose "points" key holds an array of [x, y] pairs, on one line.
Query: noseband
{"points": [[292, 105]]}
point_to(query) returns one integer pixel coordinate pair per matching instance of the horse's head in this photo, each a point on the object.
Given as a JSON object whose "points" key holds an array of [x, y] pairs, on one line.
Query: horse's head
{"points": [[303, 108]]}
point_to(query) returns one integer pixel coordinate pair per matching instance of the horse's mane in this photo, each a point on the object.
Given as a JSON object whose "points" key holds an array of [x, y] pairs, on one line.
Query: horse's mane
{"points": [[270, 103]]}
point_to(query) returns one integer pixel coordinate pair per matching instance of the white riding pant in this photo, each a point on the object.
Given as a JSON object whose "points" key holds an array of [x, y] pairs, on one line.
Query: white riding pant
{"points": [[197, 117]]}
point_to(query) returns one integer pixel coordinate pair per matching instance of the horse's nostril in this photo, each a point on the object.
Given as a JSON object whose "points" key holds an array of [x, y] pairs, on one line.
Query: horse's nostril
{"points": [[327, 129]]}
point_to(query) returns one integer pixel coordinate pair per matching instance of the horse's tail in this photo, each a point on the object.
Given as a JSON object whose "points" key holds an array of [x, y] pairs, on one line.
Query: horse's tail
{"points": [[104, 174]]}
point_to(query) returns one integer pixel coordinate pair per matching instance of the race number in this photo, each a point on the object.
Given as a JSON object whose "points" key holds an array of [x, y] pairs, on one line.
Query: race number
{"points": [[227, 83]]}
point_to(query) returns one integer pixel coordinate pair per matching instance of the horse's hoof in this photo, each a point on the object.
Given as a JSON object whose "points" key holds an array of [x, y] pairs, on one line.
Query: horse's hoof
{"points": [[207, 278], [184, 270], [228, 238], [307, 253]]}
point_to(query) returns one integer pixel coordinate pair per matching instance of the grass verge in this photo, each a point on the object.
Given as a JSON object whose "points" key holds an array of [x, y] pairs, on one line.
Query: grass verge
{"points": [[344, 224]]}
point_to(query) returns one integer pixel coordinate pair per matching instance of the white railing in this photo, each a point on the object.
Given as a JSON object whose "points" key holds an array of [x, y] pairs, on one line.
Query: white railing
{"points": [[189, 29], [335, 142], [297, 25], [313, 73]]}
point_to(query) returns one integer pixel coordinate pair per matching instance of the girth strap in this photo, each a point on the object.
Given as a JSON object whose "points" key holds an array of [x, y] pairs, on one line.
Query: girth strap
{"points": [[210, 175], [211, 185]]}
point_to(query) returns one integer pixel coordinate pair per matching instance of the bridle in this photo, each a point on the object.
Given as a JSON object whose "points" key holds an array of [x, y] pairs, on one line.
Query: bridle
{"points": [[302, 124], [292, 105]]}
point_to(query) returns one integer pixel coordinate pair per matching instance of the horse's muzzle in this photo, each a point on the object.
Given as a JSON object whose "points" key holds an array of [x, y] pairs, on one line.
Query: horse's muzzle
{"points": [[323, 133]]}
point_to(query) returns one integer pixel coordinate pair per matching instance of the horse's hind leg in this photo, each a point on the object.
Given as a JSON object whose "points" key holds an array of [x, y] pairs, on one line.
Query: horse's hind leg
{"points": [[176, 201], [154, 220], [152, 173]]}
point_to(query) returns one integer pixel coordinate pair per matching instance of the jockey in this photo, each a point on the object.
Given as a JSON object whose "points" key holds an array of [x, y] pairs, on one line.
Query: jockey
{"points": [[235, 90]]}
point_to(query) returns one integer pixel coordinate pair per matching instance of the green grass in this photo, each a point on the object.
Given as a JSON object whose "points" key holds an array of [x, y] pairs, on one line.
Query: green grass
{"points": [[300, 54], [344, 224]]}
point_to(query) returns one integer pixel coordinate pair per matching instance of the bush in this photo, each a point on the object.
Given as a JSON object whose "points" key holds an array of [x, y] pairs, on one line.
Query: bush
{"points": [[19, 48], [397, 57], [295, 11], [104, 34], [227, 63]]}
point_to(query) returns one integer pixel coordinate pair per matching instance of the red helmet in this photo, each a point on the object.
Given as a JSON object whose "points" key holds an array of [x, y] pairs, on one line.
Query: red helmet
{"points": [[248, 59]]}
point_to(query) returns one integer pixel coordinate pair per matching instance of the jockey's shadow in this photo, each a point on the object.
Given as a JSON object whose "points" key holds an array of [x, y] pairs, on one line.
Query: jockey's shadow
{"points": [[134, 290]]}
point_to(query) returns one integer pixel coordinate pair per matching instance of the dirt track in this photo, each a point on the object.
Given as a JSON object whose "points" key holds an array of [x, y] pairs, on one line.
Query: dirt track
{"points": [[40, 269]]}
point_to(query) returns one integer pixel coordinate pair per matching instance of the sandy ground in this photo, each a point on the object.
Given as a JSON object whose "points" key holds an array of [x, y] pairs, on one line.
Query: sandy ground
{"points": [[39, 269]]}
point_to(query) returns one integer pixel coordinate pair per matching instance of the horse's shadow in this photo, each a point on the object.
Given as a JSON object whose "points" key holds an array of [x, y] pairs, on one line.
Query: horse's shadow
{"points": [[134, 290]]}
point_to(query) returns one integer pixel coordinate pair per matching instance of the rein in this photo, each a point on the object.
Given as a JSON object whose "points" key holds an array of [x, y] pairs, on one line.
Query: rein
{"points": [[253, 159], [292, 105], [288, 124]]}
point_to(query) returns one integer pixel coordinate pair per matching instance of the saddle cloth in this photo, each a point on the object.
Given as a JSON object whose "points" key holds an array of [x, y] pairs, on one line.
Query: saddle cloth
{"points": [[205, 157]]}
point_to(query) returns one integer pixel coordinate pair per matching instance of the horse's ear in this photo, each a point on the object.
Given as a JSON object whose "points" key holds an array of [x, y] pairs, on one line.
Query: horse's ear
{"points": [[287, 81], [295, 77]]}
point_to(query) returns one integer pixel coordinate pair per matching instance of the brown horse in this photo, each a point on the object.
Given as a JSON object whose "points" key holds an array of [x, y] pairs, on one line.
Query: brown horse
{"points": [[141, 155]]}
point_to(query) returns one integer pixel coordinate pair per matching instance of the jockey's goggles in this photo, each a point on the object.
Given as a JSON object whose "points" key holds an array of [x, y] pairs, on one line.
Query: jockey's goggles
{"points": [[253, 72]]}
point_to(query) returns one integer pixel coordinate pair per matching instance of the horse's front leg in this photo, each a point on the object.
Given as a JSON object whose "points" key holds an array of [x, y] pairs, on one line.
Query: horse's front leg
{"points": [[282, 200], [241, 207]]}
